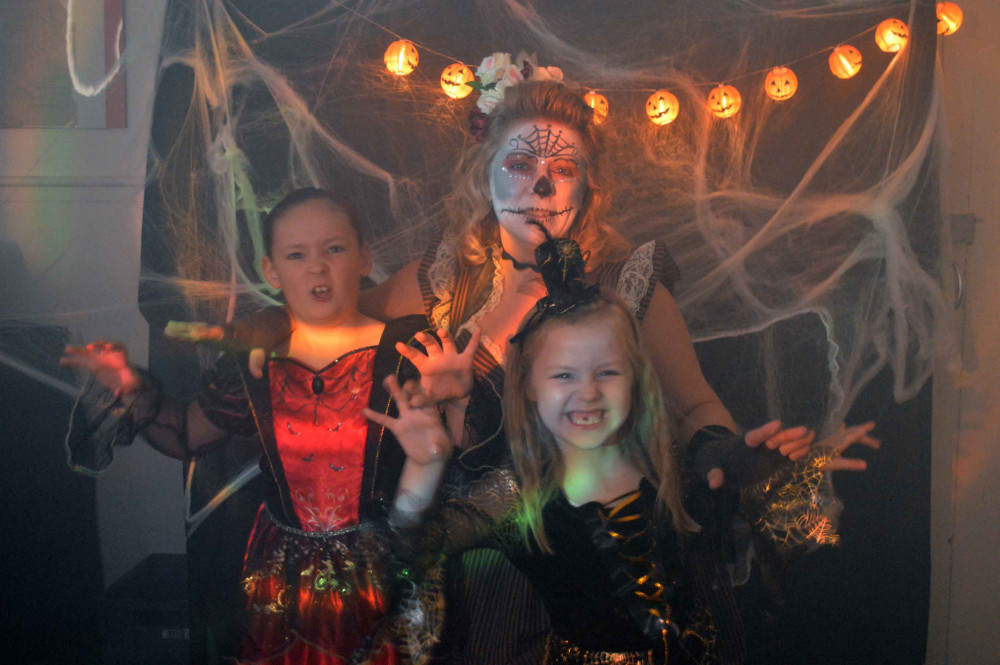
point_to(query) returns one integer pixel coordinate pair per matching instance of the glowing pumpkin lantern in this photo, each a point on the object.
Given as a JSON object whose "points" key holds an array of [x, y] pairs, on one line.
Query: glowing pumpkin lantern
{"points": [[949, 16], [455, 80], [891, 35], [401, 57], [724, 101], [845, 61], [599, 103], [780, 84], [662, 107]]}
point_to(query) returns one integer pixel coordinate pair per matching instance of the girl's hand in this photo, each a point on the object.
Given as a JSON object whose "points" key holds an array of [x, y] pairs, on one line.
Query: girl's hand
{"points": [[107, 361], [844, 438], [445, 374], [418, 427]]}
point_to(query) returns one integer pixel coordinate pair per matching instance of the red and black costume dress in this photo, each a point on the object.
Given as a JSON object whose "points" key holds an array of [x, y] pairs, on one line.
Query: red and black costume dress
{"points": [[318, 571]]}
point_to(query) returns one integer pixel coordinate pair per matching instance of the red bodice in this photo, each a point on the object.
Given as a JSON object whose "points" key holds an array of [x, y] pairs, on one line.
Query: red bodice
{"points": [[320, 433]]}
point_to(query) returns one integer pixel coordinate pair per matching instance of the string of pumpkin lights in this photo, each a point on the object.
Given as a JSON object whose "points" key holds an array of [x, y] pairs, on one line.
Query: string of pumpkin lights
{"points": [[724, 99]]}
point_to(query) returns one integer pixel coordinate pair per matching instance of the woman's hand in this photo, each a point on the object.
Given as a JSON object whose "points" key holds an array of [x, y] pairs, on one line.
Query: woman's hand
{"points": [[445, 374], [107, 361], [793, 443], [845, 437], [418, 428]]}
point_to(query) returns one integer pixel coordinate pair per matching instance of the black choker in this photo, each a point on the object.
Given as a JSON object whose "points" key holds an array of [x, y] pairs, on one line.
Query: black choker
{"points": [[517, 264]]}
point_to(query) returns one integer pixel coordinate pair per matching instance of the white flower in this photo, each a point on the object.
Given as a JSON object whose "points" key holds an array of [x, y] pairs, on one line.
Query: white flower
{"points": [[501, 71], [492, 67], [510, 76], [504, 78], [489, 99]]}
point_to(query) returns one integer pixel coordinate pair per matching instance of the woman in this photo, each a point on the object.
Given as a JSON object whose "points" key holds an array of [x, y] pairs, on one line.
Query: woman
{"points": [[537, 173]]}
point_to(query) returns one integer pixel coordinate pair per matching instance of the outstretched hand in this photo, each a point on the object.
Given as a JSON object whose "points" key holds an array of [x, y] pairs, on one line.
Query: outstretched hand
{"points": [[445, 374], [845, 437], [418, 428], [793, 443], [107, 361]]}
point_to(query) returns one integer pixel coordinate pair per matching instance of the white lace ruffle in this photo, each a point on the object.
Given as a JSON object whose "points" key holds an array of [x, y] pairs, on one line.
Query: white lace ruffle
{"points": [[496, 350], [636, 276], [441, 278]]}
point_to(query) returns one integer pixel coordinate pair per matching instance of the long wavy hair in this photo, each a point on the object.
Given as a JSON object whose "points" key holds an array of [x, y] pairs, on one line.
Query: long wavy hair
{"points": [[645, 437], [472, 221]]}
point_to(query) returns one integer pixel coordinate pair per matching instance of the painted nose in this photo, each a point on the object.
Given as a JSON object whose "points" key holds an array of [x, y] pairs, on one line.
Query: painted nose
{"points": [[543, 187]]}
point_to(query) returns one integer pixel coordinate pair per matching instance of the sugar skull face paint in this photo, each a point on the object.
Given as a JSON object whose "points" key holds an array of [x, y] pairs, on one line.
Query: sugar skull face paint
{"points": [[538, 178]]}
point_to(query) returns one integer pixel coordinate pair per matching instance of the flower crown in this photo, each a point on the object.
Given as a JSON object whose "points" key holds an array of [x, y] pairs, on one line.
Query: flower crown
{"points": [[494, 75]]}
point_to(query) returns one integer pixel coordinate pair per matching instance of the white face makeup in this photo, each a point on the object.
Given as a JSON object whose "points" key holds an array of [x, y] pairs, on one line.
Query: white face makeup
{"points": [[538, 178]]}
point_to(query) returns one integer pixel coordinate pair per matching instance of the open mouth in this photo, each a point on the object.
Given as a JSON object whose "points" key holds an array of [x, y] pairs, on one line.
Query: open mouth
{"points": [[587, 418], [321, 292]]}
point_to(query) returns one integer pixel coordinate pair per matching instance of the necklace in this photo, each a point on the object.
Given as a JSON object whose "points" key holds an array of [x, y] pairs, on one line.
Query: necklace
{"points": [[514, 262]]}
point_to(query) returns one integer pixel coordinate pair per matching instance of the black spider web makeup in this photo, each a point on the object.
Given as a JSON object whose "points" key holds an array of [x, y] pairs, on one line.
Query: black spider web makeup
{"points": [[545, 143]]}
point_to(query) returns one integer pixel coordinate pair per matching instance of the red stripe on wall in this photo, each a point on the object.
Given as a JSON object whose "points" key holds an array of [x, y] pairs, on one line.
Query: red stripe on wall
{"points": [[114, 94]]}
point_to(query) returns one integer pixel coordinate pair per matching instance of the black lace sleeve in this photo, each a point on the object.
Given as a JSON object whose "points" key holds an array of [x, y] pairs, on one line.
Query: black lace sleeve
{"points": [[100, 421], [223, 398]]}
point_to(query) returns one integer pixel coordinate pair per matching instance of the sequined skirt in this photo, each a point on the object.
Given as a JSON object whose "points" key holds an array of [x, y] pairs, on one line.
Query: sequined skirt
{"points": [[563, 652], [314, 597]]}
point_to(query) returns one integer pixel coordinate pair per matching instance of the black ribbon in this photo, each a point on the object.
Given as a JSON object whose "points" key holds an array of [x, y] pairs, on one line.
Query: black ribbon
{"points": [[561, 264]]}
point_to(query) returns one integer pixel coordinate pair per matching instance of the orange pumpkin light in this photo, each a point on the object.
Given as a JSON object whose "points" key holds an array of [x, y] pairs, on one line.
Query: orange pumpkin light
{"points": [[401, 57], [845, 61], [780, 84], [455, 80], [662, 107], [724, 101], [599, 103], [891, 35], [949, 16]]}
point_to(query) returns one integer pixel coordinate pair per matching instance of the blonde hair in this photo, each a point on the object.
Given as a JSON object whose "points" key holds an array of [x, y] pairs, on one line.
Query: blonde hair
{"points": [[472, 221], [644, 438]]}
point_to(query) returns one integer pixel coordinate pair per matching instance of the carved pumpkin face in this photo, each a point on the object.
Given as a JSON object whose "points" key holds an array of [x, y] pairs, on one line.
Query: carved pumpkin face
{"points": [[455, 79], [599, 103], [780, 84], [401, 57], [891, 35], [724, 101], [949, 16], [845, 61], [662, 107]]}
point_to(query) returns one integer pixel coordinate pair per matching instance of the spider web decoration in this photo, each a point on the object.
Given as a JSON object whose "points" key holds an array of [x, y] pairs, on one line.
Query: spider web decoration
{"points": [[815, 217]]}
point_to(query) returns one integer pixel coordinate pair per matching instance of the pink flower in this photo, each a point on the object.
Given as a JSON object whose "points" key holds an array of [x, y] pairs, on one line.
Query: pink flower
{"points": [[547, 73], [489, 99], [492, 67], [511, 76]]}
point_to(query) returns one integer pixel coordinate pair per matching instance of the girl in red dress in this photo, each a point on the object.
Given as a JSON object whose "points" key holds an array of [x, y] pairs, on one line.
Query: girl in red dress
{"points": [[316, 575]]}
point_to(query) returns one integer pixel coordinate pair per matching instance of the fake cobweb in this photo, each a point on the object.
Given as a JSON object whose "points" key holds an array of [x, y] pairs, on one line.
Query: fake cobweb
{"points": [[809, 227]]}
